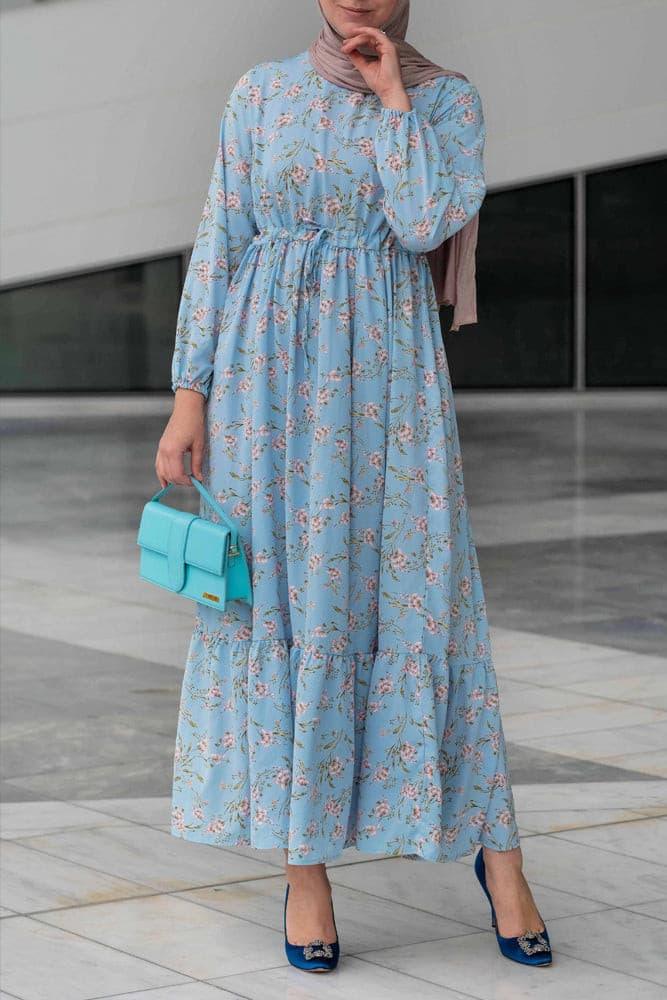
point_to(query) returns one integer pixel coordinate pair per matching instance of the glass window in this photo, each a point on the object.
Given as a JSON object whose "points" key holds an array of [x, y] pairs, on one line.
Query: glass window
{"points": [[626, 314], [112, 329], [525, 287]]}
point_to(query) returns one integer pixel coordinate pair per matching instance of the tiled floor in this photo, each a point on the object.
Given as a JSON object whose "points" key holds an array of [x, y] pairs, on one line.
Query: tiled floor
{"points": [[569, 507]]}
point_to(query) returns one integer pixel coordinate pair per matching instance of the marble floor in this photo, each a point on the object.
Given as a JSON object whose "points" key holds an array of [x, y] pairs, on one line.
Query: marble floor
{"points": [[568, 495]]}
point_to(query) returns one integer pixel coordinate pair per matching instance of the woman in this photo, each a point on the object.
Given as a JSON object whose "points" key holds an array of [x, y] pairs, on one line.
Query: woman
{"points": [[355, 703]]}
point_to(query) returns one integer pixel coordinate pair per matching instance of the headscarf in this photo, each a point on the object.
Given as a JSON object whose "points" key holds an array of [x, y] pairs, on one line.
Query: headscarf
{"points": [[453, 262]]}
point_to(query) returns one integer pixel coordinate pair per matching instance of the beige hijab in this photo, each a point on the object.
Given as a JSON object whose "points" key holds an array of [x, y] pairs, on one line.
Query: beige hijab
{"points": [[453, 262]]}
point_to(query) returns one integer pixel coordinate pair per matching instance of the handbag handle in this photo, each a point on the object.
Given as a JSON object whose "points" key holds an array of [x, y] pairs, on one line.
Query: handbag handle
{"points": [[209, 500]]}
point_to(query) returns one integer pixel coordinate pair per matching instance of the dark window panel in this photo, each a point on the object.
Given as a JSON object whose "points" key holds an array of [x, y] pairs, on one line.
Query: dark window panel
{"points": [[111, 329], [626, 315], [524, 334]]}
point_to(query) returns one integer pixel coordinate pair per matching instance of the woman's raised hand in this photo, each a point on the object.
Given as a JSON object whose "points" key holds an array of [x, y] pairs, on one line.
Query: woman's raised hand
{"points": [[383, 75], [185, 432]]}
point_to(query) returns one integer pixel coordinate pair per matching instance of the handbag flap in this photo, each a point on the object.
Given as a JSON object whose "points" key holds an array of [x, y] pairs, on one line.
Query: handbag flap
{"points": [[155, 525], [207, 546], [165, 530], [183, 538]]}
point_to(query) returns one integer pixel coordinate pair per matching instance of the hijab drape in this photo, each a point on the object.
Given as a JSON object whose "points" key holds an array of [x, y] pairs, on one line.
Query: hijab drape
{"points": [[453, 262]]}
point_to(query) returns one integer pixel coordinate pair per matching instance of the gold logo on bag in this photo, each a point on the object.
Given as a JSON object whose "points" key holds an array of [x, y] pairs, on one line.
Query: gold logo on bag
{"points": [[211, 597]]}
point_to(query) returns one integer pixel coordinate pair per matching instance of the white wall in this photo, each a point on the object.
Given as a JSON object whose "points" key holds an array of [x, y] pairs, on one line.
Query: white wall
{"points": [[110, 108]]}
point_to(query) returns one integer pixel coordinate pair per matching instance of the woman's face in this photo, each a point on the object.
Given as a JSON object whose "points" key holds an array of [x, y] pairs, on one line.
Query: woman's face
{"points": [[347, 16]]}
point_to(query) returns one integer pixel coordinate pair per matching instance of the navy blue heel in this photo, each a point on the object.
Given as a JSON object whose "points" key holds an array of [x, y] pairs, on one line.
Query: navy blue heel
{"points": [[316, 956], [531, 948]]}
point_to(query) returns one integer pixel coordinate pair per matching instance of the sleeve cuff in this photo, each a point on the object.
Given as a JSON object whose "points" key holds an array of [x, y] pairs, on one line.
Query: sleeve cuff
{"points": [[195, 386], [397, 112]]}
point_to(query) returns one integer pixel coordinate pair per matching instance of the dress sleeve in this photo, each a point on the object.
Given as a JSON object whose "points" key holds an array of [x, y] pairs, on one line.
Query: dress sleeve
{"points": [[431, 166], [226, 228]]}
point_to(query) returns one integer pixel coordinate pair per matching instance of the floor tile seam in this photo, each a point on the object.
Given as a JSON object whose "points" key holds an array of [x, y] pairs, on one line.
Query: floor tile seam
{"points": [[528, 744], [152, 894], [609, 909], [79, 770], [204, 982], [399, 972], [14, 779], [590, 826], [152, 989], [623, 701], [77, 592], [148, 989], [568, 688], [563, 949], [77, 804], [165, 731], [598, 903], [639, 753], [470, 928], [532, 744], [111, 947], [419, 979], [25, 633], [216, 980], [87, 867], [579, 732], [363, 892], [567, 708], [606, 850], [631, 909], [556, 950], [601, 650], [583, 809], [56, 831]]}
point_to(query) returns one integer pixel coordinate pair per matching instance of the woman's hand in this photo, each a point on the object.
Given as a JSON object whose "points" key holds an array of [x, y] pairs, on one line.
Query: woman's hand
{"points": [[383, 75], [184, 432]]}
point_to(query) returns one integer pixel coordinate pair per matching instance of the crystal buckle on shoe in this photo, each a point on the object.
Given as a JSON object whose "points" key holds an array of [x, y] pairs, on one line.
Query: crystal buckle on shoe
{"points": [[525, 942], [318, 949]]}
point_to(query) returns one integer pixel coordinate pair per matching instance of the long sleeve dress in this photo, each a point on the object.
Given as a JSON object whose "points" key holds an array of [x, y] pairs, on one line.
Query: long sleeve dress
{"points": [[355, 702]]}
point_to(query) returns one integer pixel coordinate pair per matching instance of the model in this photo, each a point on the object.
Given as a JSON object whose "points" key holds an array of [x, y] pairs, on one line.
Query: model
{"points": [[355, 703]]}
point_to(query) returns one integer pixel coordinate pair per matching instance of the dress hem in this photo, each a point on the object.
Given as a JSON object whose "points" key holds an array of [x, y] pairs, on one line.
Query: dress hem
{"points": [[215, 841]]}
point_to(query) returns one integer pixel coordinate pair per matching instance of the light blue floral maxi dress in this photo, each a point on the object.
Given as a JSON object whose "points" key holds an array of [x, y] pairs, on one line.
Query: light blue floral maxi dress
{"points": [[356, 702]]}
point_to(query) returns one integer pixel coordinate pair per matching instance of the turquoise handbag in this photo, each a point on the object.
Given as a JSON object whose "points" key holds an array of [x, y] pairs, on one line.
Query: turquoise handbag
{"points": [[192, 556]]}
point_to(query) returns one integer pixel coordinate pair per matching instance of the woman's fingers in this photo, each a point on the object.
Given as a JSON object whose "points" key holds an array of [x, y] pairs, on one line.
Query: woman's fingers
{"points": [[382, 72], [170, 467], [367, 36], [176, 470], [196, 456], [160, 468]]}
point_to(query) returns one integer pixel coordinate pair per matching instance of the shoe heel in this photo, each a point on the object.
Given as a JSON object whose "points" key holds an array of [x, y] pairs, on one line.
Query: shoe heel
{"points": [[531, 948]]}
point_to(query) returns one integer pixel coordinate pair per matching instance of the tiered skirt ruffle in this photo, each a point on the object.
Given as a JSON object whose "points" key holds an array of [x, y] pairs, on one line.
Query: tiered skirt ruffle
{"points": [[397, 752]]}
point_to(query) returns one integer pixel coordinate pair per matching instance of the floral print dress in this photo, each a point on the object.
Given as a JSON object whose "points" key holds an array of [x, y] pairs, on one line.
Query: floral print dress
{"points": [[355, 702]]}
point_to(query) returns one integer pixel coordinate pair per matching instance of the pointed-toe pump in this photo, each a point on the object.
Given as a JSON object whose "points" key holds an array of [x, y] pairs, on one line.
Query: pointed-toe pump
{"points": [[317, 956], [531, 948]]}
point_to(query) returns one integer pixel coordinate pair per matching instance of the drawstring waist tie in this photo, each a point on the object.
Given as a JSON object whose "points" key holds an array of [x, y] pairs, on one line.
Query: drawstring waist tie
{"points": [[353, 239]]}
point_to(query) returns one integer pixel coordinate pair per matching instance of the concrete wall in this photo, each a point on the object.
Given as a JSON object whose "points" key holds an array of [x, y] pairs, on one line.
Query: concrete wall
{"points": [[110, 108]]}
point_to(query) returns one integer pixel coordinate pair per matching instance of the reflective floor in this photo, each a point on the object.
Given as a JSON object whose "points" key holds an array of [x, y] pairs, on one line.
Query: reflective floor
{"points": [[569, 510]]}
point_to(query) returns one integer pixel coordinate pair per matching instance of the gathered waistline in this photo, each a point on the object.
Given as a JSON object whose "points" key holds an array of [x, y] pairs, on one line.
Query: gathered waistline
{"points": [[349, 238]]}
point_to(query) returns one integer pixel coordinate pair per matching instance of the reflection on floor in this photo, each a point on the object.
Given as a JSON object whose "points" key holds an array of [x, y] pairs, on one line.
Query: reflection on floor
{"points": [[568, 498]]}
